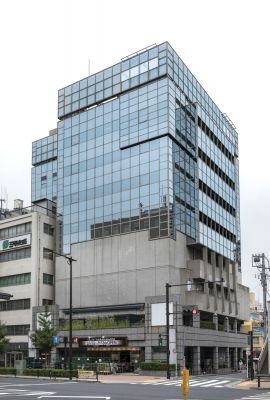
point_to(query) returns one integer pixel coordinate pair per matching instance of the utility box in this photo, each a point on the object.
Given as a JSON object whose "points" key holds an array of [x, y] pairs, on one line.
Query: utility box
{"points": [[20, 366]]}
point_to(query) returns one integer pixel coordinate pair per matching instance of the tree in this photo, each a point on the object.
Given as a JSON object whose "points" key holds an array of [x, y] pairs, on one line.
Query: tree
{"points": [[43, 336], [3, 340]]}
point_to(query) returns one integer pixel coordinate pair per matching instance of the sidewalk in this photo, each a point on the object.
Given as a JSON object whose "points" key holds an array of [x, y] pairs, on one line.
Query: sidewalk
{"points": [[129, 378]]}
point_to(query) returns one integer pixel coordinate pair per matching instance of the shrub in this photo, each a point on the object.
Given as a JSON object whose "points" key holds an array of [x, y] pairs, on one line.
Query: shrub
{"points": [[7, 371], [50, 372], [207, 325], [155, 366]]}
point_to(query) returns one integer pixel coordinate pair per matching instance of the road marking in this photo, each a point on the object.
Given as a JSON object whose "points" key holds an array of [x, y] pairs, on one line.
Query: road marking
{"points": [[76, 397], [35, 384], [204, 383], [258, 397], [212, 384]]}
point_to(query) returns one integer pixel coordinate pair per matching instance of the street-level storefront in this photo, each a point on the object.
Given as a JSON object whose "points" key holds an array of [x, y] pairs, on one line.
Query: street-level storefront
{"points": [[115, 350]]}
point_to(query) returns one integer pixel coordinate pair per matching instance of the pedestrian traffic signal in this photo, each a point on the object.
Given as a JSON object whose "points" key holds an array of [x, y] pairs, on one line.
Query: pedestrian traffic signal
{"points": [[194, 311], [160, 341]]}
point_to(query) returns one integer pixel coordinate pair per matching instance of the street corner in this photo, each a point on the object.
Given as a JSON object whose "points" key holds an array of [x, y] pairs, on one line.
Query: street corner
{"points": [[247, 385]]}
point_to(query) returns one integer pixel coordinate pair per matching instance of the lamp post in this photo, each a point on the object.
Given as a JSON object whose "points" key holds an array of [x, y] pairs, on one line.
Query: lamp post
{"points": [[168, 286], [69, 260]]}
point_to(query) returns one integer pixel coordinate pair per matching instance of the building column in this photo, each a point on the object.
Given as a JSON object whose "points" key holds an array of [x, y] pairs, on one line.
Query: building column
{"points": [[196, 360], [206, 287], [196, 320], [227, 357], [215, 359], [215, 321], [235, 326], [213, 262], [226, 324], [235, 359], [220, 267], [148, 351]]}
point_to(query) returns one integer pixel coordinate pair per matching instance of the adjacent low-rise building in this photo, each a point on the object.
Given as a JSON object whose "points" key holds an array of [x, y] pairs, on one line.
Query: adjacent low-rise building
{"points": [[26, 271]]}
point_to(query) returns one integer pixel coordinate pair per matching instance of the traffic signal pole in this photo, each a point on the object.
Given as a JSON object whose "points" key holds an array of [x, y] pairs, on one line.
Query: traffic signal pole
{"points": [[168, 331], [168, 286]]}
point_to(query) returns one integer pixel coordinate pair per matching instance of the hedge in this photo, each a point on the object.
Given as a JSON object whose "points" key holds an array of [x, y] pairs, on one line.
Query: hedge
{"points": [[155, 366], [7, 371], [50, 372]]}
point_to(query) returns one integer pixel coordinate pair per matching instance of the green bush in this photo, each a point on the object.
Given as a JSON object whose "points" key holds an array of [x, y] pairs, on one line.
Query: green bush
{"points": [[207, 325], [155, 366], [50, 372], [97, 323], [7, 371]]}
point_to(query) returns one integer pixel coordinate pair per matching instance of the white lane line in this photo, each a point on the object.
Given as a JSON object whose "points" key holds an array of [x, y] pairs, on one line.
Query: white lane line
{"points": [[35, 384], [212, 384], [76, 397]]}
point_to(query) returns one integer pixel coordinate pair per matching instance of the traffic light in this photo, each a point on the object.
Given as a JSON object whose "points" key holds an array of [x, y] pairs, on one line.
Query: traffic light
{"points": [[160, 341], [191, 310]]}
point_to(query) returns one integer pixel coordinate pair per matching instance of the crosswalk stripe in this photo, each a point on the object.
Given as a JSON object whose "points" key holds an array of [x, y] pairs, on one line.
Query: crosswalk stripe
{"points": [[258, 397], [212, 384], [217, 383], [204, 383]]}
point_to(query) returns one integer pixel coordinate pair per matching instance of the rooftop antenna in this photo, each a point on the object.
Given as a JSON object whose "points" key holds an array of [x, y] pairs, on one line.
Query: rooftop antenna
{"points": [[88, 67]]}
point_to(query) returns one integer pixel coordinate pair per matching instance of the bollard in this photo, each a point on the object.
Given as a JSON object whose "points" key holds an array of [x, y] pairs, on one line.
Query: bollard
{"points": [[185, 383]]}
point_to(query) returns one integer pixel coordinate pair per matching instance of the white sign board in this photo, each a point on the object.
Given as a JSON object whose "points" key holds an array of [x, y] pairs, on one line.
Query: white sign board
{"points": [[158, 314], [15, 242], [172, 346]]}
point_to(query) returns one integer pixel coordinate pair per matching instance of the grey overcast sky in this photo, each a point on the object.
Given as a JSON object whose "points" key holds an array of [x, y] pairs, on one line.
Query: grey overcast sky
{"points": [[46, 45]]}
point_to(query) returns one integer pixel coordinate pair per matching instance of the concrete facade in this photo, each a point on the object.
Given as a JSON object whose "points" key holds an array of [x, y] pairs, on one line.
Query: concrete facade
{"points": [[130, 269], [23, 278]]}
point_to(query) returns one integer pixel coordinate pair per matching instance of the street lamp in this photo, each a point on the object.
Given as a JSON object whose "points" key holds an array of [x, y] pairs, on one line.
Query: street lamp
{"points": [[168, 286], [69, 260]]}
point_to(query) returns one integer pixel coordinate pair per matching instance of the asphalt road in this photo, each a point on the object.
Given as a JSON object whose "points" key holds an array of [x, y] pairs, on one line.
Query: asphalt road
{"points": [[21, 388]]}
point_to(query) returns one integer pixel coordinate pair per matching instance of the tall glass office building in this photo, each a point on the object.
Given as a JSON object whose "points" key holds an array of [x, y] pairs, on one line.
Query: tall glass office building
{"points": [[141, 145], [142, 152]]}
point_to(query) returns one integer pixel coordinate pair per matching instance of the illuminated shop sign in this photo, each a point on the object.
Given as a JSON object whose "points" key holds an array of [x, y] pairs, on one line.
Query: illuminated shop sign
{"points": [[14, 243], [101, 342]]}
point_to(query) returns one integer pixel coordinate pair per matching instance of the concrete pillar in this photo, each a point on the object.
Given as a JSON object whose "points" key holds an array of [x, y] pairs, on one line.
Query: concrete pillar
{"points": [[196, 360], [196, 320], [148, 353], [235, 359], [213, 262], [226, 324], [235, 326], [220, 267], [215, 360], [206, 277], [234, 272], [227, 357], [227, 271], [215, 320]]}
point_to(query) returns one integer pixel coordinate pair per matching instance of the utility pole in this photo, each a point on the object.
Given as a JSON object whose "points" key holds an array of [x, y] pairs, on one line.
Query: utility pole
{"points": [[168, 331], [258, 260]]}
